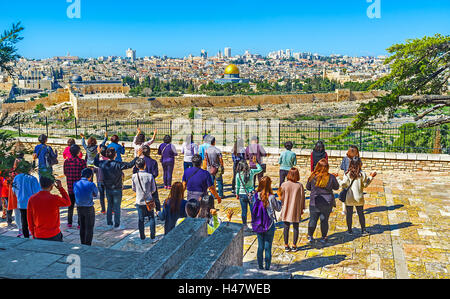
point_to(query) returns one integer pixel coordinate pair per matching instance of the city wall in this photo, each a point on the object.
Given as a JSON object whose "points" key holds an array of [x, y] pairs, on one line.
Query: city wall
{"points": [[373, 161], [61, 96], [123, 107]]}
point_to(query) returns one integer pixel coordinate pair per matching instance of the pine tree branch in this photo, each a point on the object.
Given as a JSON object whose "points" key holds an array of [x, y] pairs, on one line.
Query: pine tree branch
{"points": [[434, 123]]}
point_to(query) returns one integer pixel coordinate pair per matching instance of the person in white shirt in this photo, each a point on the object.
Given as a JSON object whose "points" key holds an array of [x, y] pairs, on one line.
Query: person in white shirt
{"points": [[139, 141], [189, 149], [355, 180]]}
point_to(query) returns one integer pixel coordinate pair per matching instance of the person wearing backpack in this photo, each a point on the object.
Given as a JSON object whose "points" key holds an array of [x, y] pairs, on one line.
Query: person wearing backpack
{"points": [[256, 150], [168, 152], [197, 181], [321, 184], [245, 186], [215, 166], [264, 219], [144, 185], [354, 182], [46, 157]]}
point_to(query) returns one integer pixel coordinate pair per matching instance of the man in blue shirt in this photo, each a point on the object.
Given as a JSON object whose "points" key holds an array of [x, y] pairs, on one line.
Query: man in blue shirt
{"points": [[120, 149], [197, 181], [24, 186], [85, 191], [204, 146], [40, 153]]}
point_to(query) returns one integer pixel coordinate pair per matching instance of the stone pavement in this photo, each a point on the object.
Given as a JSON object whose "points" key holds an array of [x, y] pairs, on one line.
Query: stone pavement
{"points": [[407, 214]]}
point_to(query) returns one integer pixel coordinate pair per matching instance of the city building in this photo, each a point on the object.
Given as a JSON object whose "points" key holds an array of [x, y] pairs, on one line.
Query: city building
{"points": [[231, 75], [227, 53], [131, 54]]}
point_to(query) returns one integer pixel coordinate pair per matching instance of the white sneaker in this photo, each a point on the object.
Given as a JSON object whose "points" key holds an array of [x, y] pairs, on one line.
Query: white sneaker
{"points": [[249, 227]]}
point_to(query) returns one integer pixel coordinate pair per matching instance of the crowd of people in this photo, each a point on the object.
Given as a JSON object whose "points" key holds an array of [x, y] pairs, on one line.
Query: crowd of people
{"points": [[37, 210]]}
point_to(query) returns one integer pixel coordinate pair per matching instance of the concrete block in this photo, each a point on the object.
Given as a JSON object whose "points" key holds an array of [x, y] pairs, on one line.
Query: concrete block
{"points": [[378, 155], [222, 249], [367, 155], [8, 242], [170, 252], [400, 156], [434, 157], [15, 263], [52, 247], [412, 156]]}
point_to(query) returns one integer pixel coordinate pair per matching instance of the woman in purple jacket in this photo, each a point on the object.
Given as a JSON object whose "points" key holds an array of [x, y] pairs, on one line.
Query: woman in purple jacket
{"points": [[167, 151]]}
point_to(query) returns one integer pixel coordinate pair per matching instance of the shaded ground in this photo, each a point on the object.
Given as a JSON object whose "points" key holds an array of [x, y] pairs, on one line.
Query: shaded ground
{"points": [[406, 213]]}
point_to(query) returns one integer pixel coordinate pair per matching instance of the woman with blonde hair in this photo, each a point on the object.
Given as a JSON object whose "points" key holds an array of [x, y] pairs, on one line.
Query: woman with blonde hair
{"points": [[292, 196], [263, 220], [321, 184]]}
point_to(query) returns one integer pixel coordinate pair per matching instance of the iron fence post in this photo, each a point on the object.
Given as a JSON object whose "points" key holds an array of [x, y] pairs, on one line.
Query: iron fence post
{"points": [[319, 133], [279, 134], [46, 125], [106, 125], [18, 122], [404, 139], [76, 128], [360, 140]]}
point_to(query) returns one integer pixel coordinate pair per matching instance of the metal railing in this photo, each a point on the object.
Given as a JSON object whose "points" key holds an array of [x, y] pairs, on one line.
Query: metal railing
{"points": [[406, 138]]}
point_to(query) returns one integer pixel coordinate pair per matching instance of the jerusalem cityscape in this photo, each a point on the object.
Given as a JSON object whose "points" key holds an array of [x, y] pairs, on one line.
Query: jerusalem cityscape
{"points": [[244, 145]]}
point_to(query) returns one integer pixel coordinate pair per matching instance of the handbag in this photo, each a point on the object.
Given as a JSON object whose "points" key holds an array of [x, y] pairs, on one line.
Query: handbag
{"points": [[343, 193]]}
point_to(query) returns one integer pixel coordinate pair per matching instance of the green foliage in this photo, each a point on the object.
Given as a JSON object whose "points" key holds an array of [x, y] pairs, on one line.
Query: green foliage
{"points": [[411, 138], [39, 108], [192, 113], [419, 66], [8, 51]]}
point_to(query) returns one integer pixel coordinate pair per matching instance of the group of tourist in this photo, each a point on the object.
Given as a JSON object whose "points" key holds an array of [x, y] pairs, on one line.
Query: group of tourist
{"points": [[37, 210]]}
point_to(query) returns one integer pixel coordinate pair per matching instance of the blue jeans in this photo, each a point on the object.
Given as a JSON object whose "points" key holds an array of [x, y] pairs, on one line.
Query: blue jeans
{"points": [[142, 213], [167, 173], [245, 202], [114, 197], [101, 195], [219, 184], [187, 165], [265, 241]]}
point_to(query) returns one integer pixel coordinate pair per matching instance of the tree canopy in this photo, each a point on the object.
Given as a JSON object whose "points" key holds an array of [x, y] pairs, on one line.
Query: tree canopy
{"points": [[418, 67], [8, 51]]}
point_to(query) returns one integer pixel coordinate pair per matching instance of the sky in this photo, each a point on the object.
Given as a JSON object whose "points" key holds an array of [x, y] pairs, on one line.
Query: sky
{"points": [[179, 28]]}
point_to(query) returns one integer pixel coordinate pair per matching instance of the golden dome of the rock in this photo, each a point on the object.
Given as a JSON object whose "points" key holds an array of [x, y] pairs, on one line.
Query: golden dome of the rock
{"points": [[232, 70]]}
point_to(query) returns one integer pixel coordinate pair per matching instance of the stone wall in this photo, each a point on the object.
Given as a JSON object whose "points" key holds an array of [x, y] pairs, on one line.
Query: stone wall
{"points": [[58, 97], [122, 107], [374, 161]]}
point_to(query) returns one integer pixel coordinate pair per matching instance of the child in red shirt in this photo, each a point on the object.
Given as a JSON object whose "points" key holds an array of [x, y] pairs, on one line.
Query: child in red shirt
{"points": [[43, 211]]}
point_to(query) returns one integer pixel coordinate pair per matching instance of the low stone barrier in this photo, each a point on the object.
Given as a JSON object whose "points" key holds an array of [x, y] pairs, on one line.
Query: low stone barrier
{"points": [[28, 258], [375, 161], [222, 249], [170, 252]]}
